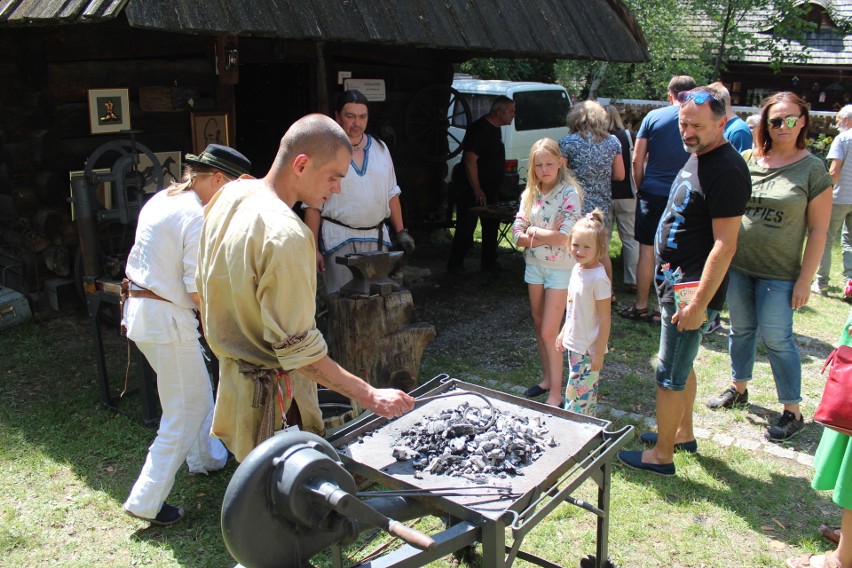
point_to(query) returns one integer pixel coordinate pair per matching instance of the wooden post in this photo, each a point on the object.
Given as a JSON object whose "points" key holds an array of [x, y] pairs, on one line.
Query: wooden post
{"points": [[378, 339]]}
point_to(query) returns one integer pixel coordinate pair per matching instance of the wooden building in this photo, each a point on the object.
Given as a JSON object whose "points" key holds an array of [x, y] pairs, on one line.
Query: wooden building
{"points": [[824, 80], [241, 72]]}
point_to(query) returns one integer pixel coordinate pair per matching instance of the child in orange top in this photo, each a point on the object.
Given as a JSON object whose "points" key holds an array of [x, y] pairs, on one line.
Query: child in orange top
{"points": [[587, 318]]}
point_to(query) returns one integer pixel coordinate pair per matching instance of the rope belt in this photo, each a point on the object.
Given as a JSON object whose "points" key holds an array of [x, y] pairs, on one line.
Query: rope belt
{"points": [[266, 387], [376, 227]]}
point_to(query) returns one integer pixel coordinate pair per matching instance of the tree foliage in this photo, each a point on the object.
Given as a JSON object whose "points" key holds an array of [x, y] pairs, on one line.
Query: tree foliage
{"points": [[673, 48], [692, 37], [775, 27], [510, 69]]}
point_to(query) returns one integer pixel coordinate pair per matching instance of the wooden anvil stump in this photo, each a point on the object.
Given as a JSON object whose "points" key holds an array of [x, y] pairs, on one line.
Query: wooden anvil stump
{"points": [[376, 336]]}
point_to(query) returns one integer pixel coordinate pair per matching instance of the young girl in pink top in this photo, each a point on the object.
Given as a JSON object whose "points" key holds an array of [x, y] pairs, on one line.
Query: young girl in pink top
{"points": [[587, 319], [550, 206]]}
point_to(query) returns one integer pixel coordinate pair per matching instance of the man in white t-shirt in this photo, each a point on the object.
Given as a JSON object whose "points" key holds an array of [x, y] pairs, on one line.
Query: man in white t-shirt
{"points": [[841, 210]]}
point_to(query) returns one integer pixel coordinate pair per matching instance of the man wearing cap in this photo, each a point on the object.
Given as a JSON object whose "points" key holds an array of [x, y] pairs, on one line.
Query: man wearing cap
{"points": [[257, 281], [159, 314]]}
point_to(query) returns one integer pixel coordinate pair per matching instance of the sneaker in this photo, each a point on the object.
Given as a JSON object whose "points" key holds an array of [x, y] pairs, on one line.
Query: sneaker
{"points": [[715, 324], [847, 291], [786, 427], [817, 289], [168, 515], [728, 399]]}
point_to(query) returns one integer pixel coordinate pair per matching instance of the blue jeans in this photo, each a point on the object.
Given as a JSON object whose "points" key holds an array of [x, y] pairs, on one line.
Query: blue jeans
{"points": [[762, 306], [677, 348]]}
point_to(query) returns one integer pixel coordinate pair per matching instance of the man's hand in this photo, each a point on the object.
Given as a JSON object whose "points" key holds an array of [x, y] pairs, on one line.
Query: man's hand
{"points": [[389, 403], [480, 197], [320, 263], [404, 241], [689, 317]]}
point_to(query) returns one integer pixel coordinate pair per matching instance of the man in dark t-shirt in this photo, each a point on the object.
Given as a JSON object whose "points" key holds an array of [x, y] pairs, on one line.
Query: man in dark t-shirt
{"points": [[695, 242], [477, 183]]}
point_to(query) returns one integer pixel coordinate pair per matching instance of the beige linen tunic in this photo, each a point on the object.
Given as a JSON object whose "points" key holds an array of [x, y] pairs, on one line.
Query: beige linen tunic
{"points": [[257, 283]]}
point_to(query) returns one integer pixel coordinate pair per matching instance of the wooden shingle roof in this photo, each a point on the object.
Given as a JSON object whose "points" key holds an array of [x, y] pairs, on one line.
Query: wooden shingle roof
{"points": [[581, 29], [823, 47]]}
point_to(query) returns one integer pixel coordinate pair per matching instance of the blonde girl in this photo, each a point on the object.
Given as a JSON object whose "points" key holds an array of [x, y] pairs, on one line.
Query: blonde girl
{"points": [[587, 319], [550, 206]]}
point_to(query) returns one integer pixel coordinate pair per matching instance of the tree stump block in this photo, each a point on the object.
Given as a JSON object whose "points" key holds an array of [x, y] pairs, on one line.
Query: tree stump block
{"points": [[378, 339]]}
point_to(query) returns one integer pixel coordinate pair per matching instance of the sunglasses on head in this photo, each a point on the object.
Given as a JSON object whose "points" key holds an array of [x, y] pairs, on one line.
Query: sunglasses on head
{"points": [[788, 121], [698, 97]]}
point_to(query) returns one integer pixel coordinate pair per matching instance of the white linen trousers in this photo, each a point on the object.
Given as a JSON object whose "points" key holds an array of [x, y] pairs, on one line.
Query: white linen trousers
{"points": [[186, 397]]}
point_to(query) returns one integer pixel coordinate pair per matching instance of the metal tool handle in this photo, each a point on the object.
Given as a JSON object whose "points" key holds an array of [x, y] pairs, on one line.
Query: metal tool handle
{"points": [[348, 505]]}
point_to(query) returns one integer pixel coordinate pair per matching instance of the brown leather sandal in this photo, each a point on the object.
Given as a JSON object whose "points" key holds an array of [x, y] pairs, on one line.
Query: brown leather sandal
{"points": [[635, 314], [829, 533]]}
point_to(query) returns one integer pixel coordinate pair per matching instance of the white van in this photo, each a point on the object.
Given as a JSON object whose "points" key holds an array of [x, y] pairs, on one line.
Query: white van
{"points": [[540, 111]]}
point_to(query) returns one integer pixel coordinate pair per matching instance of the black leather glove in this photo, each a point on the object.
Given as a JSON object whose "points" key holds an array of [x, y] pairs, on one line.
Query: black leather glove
{"points": [[404, 241]]}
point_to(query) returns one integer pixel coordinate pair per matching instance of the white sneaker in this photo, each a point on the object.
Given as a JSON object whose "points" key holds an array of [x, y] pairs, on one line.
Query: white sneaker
{"points": [[815, 288]]}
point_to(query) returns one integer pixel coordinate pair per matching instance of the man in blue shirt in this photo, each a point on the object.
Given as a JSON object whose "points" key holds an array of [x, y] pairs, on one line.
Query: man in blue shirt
{"points": [[737, 131], [660, 143]]}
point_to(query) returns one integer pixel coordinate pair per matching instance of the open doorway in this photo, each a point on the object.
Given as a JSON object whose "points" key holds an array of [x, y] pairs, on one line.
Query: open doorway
{"points": [[269, 98]]}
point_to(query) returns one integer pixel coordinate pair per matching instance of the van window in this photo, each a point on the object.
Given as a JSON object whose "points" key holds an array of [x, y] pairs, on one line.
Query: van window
{"points": [[534, 110], [480, 105], [537, 110]]}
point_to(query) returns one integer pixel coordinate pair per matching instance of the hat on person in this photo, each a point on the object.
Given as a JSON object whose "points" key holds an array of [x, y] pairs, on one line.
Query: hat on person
{"points": [[222, 158]]}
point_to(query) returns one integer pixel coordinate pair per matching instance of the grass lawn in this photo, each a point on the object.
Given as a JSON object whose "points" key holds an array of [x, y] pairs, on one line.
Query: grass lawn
{"points": [[67, 464]]}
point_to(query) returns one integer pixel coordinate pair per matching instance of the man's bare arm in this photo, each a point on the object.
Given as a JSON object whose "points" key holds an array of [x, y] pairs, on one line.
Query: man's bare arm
{"points": [[384, 402]]}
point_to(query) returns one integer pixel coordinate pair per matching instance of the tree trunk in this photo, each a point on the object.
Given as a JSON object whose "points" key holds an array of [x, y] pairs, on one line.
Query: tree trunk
{"points": [[378, 339], [596, 80]]}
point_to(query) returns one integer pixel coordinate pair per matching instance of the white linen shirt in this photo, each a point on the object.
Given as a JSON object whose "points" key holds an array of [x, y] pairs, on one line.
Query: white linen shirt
{"points": [[164, 260], [363, 201]]}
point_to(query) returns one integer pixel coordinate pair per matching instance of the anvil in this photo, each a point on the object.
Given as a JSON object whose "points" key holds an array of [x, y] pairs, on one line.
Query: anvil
{"points": [[370, 273]]}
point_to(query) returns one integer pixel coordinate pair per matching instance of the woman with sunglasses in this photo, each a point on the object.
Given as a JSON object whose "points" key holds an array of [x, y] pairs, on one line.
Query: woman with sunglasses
{"points": [[770, 276]]}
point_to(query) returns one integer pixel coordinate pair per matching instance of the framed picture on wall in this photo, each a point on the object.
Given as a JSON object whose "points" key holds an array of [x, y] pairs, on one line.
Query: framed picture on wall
{"points": [[109, 110], [103, 192], [208, 128], [171, 164]]}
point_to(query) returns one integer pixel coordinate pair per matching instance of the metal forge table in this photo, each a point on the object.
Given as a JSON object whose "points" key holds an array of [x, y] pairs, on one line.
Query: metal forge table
{"points": [[263, 499]]}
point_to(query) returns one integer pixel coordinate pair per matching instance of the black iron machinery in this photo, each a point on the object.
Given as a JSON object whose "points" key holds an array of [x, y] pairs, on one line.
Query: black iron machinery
{"points": [[106, 236], [294, 495], [126, 183]]}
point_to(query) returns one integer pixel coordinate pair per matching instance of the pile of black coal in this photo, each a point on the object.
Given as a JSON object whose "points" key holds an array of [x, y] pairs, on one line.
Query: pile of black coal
{"points": [[474, 443]]}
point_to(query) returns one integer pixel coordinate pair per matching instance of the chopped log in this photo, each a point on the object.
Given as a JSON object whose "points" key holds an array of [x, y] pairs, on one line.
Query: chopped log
{"points": [[378, 339]]}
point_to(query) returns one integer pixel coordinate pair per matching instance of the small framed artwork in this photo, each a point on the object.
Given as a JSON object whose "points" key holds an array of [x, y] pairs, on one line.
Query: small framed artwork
{"points": [[208, 128], [170, 162], [103, 192], [109, 110]]}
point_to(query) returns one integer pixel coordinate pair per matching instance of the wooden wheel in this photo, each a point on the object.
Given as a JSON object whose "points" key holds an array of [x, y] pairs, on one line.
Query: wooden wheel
{"points": [[430, 114]]}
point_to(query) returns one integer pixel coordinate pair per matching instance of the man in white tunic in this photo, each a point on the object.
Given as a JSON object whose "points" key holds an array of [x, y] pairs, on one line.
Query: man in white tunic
{"points": [[354, 219], [257, 282], [159, 315]]}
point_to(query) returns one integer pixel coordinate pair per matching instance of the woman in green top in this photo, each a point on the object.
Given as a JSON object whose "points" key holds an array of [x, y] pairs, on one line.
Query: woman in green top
{"points": [[833, 470], [770, 277]]}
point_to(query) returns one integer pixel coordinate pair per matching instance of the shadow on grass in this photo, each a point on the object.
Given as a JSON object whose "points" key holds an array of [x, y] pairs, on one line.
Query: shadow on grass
{"points": [[54, 409], [760, 503]]}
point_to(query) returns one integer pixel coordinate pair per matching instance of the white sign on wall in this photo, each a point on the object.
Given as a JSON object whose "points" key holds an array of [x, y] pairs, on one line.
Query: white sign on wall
{"points": [[373, 89]]}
